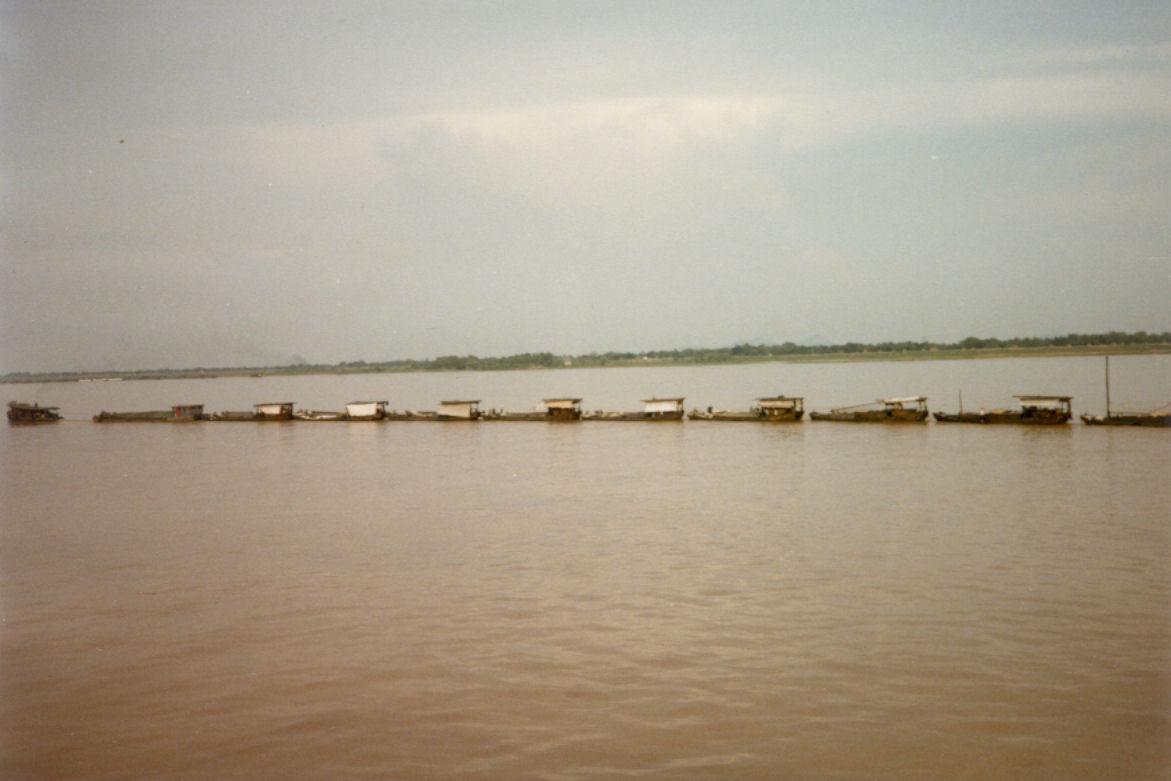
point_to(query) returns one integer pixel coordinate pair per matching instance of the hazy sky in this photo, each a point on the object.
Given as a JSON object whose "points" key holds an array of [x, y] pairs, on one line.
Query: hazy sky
{"points": [[223, 183]]}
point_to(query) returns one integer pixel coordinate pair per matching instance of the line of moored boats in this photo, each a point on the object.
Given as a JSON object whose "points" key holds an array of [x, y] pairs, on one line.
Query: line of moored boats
{"points": [[1033, 410]]}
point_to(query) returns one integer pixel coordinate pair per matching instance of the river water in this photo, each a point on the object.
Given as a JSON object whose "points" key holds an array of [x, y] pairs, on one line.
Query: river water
{"points": [[587, 601]]}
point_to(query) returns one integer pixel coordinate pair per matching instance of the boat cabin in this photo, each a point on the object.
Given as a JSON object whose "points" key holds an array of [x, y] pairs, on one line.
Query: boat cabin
{"points": [[563, 409], [274, 410], [1045, 406], [366, 410], [906, 403], [663, 408], [781, 406], [459, 410], [188, 412]]}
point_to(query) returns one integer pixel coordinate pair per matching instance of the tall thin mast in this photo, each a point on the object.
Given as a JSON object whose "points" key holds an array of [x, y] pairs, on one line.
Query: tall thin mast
{"points": [[1107, 386]]}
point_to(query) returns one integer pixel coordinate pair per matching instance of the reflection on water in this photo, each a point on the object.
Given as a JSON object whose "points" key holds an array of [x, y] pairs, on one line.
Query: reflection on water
{"points": [[584, 601]]}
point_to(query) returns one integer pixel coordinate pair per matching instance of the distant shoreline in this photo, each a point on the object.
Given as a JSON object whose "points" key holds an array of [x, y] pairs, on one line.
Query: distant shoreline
{"points": [[853, 356]]}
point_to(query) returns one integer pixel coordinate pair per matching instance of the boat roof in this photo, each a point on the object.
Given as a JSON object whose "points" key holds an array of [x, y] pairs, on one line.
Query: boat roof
{"points": [[780, 398], [273, 403], [563, 398], [903, 399], [665, 398], [22, 405], [473, 401], [1043, 398]]}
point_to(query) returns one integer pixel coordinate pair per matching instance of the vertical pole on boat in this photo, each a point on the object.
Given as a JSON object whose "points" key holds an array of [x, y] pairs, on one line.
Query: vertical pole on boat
{"points": [[1107, 386], [961, 402]]}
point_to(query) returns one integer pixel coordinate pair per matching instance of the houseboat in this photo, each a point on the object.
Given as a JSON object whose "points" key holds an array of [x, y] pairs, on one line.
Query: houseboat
{"points": [[1035, 410], [180, 413], [768, 409], [904, 409], [19, 412]]}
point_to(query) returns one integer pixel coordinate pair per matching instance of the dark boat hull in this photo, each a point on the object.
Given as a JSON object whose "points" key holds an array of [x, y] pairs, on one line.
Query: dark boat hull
{"points": [[150, 416], [1148, 420], [646, 417], [1054, 418], [746, 417], [873, 416]]}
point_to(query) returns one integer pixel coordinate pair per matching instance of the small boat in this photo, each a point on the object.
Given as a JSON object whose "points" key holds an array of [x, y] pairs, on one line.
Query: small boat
{"points": [[1035, 410], [768, 409], [1154, 419], [19, 412], [315, 414], [665, 409], [904, 409], [180, 413]]}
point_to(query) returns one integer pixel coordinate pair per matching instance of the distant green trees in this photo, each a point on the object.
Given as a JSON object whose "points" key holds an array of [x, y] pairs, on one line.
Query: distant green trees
{"points": [[734, 354]]}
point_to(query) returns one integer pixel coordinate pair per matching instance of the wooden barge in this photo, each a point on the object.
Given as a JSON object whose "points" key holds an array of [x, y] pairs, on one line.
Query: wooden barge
{"points": [[904, 409], [1158, 418], [1034, 411], [180, 413], [768, 409]]}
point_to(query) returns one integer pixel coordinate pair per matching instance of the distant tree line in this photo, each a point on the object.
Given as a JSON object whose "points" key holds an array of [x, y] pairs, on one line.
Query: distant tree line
{"points": [[545, 360]]}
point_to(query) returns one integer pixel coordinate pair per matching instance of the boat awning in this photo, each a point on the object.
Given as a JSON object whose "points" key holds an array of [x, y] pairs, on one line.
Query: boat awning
{"points": [[904, 400], [779, 401], [1045, 398]]}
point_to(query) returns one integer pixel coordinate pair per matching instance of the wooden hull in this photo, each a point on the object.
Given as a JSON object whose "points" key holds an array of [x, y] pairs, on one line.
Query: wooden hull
{"points": [[746, 417], [645, 417], [872, 416], [234, 416], [1149, 420], [150, 416], [1053, 418]]}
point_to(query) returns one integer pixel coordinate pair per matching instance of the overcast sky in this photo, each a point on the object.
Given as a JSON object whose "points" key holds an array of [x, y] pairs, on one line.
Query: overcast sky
{"points": [[239, 183]]}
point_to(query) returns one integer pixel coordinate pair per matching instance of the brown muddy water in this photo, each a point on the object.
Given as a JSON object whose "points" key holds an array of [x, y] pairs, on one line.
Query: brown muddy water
{"points": [[587, 601]]}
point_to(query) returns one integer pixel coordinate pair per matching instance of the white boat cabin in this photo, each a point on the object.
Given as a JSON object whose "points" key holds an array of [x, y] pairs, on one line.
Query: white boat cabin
{"points": [[459, 410], [274, 410], [658, 408], [780, 406], [366, 410], [905, 402]]}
